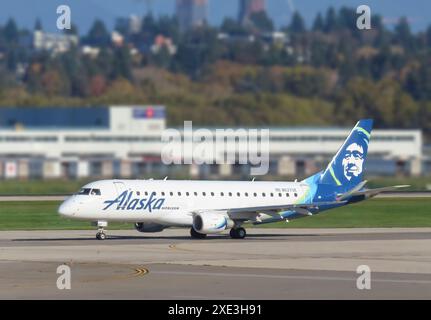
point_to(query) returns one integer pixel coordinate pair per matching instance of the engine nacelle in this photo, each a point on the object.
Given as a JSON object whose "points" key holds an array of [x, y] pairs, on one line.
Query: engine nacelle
{"points": [[149, 227], [210, 223]]}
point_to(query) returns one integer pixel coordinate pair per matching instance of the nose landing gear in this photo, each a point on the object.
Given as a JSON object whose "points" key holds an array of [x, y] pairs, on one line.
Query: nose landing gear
{"points": [[100, 235]]}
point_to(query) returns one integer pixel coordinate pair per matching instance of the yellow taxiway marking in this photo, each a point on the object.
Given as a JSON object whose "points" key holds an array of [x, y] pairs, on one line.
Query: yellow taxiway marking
{"points": [[140, 272]]}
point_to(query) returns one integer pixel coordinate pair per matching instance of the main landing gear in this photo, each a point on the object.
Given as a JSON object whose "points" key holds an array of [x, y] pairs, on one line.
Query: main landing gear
{"points": [[197, 235], [237, 233], [100, 235]]}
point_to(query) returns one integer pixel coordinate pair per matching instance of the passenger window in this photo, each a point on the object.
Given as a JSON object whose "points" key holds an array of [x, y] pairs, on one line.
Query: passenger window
{"points": [[230, 194], [271, 194], [153, 193], [255, 194], [246, 194], [263, 194], [171, 193], [196, 194], [222, 194], [146, 193], [204, 194], [280, 195], [163, 194], [287, 195], [85, 192], [238, 194], [179, 193], [295, 194], [187, 194], [212, 193]]}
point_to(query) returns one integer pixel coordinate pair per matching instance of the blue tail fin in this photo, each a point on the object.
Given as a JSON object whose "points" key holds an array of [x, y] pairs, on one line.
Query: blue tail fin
{"points": [[346, 168]]}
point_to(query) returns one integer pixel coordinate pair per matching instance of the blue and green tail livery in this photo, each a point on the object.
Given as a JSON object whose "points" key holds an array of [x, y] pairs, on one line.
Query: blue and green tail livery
{"points": [[347, 167]]}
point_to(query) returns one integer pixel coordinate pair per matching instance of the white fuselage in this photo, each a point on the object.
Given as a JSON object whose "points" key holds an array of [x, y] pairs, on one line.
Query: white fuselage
{"points": [[172, 203]]}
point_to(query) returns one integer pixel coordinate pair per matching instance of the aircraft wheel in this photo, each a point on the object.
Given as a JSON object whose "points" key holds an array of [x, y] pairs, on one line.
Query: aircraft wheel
{"points": [[241, 233], [197, 235], [100, 236], [238, 233]]}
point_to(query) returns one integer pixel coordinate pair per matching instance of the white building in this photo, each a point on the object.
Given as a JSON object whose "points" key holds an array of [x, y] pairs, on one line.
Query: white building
{"points": [[53, 42], [125, 141]]}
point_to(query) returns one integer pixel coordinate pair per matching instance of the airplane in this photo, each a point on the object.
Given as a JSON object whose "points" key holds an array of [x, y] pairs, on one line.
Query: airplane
{"points": [[211, 207]]}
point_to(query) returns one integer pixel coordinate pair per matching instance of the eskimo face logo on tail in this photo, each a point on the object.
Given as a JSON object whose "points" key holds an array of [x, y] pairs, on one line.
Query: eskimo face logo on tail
{"points": [[125, 201], [353, 161]]}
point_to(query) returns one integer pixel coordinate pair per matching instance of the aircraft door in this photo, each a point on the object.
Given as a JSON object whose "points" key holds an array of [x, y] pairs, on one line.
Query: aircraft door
{"points": [[120, 187]]}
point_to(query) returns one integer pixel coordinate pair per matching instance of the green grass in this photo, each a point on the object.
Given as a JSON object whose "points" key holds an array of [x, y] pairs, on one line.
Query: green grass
{"points": [[39, 215], [372, 213]]}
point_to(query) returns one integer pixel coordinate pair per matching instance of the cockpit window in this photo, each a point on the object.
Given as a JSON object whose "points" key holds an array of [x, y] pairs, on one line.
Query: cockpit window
{"points": [[88, 191], [84, 191], [95, 192]]}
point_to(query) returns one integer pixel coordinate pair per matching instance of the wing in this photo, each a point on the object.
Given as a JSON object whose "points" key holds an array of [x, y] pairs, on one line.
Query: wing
{"points": [[252, 213]]}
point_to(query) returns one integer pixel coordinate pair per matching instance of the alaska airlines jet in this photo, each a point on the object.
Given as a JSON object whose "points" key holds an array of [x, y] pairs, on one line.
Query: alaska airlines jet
{"points": [[210, 207]]}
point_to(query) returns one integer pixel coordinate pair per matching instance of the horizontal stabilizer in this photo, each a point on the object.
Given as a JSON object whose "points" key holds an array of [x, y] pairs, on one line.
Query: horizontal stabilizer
{"points": [[346, 195], [373, 192]]}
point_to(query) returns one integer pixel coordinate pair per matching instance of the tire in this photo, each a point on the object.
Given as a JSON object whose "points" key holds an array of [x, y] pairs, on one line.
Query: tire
{"points": [[101, 236], [196, 235], [232, 233], [241, 233], [238, 233]]}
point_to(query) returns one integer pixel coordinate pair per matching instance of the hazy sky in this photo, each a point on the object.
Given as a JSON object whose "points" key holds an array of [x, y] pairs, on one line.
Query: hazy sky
{"points": [[85, 11]]}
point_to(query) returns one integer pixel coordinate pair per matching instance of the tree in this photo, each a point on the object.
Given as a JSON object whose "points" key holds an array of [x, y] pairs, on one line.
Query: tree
{"points": [[122, 64], [297, 25], [11, 32], [38, 25], [98, 34], [330, 20], [232, 27], [403, 34], [318, 24], [262, 22]]}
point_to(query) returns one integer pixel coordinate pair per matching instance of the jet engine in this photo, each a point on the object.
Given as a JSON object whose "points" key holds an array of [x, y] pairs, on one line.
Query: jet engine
{"points": [[210, 223], [149, 227]]}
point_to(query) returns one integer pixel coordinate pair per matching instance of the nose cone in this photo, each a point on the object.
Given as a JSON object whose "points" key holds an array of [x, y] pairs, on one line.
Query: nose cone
{"points": [[67, 209]]}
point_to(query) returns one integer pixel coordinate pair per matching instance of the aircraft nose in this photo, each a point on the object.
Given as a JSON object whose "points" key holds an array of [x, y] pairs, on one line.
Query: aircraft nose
{"points": [[66, 209]]}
